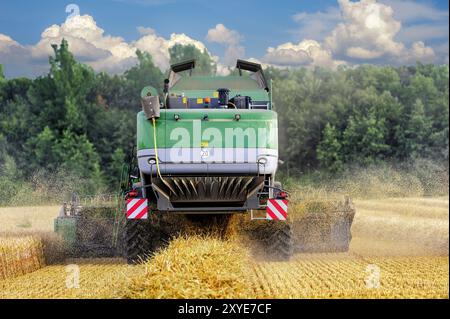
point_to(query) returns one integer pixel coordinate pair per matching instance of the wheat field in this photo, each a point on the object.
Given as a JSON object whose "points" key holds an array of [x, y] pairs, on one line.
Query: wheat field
{"points": [[20, 255], [98, 279], [35, 218], [399, 250], [346, 276], [310, 276]]}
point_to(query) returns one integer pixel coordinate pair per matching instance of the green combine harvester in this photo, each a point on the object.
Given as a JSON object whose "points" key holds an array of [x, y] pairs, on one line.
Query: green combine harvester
{"points": [[207, 148]]}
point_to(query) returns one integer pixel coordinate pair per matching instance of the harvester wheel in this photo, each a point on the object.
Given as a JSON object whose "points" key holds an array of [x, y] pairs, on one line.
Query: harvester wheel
{"points": [[161, 229], [280, 244], [146, 236], [136, 241]]}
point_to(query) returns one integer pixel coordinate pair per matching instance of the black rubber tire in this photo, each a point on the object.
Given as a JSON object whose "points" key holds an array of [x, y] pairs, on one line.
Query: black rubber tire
{"points": [[136, 240], [280, 244], [146, 236], [161, 229]]}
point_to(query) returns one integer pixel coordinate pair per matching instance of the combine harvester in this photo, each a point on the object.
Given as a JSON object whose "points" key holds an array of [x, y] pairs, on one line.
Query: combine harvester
{"points": [[206, 149]]}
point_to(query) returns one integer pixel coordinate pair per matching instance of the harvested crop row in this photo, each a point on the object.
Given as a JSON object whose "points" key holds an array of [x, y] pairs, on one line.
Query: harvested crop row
{"points": [[53, 246], [20, 255], [210, 268], [85, 278], [329, 277], [194, 267]]}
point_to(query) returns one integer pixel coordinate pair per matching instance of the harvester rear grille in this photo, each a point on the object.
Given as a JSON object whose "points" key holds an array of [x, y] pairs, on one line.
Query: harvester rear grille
{"points": [[205, 189]]}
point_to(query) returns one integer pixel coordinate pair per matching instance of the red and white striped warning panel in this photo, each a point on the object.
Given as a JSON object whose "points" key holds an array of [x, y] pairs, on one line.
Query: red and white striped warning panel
{"points": [[277, 209], [137, 208]]}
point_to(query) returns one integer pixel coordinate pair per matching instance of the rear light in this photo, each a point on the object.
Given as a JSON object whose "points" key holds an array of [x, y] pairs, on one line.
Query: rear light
{"points": [[282, 195], [132, 194], [263, 201]]}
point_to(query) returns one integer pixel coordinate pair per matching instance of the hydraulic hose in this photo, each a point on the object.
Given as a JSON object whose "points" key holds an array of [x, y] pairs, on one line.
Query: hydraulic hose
{"points": [[157, 159], [156, 149]]}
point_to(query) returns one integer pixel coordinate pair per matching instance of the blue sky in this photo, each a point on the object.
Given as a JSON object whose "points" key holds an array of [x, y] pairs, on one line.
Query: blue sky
{"points": [[250, 28], [269, 23]]}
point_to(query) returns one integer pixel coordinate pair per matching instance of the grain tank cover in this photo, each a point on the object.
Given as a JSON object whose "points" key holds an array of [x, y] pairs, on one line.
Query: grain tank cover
{"points": [[258, 74]]}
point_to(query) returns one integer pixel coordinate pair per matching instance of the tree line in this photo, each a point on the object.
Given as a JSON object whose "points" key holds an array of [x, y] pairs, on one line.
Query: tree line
{"points": [[76, 126], [362, 116]]}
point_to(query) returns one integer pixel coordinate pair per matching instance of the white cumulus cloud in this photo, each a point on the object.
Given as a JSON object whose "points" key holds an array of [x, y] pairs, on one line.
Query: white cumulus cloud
{"points": [[15, 57], [306, 53], [412, 10], [90, 45], [231, 39], [221, 34], [369, 31], [159, 47], [7, 43], [366, 31], [316, 25]]}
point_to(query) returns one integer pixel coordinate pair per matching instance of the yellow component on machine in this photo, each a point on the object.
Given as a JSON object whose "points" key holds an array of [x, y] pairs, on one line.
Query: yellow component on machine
{"points": [[156, 149], [157, 159]]}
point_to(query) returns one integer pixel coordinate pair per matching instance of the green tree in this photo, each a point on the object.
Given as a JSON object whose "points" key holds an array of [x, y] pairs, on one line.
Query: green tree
{"points": [[141, 75], [116, 92], [3, 149], [205, 65], [77, 156], [74, 88], [329, 150], [41, 148], [115, 168], [383, 79], [9, 180], [76, 153], [2, 76], [417, 131], [364, 140], [9, 174]]}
